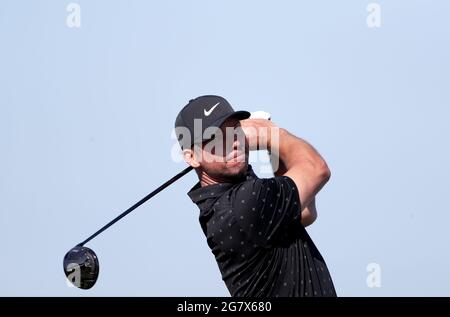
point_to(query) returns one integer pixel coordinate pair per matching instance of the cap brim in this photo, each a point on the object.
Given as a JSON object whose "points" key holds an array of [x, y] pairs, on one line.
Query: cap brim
{"points": [[240, 115]]}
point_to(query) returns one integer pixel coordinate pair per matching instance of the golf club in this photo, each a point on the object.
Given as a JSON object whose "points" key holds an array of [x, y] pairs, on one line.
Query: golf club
{"points": [[81, 264]]}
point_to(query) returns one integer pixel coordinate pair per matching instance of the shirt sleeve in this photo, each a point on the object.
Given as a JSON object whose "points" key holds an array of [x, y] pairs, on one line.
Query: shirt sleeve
{"points": [[265, 208]]}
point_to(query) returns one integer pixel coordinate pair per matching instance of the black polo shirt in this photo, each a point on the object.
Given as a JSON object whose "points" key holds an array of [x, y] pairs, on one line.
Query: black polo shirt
{"points": [[253, 229]]}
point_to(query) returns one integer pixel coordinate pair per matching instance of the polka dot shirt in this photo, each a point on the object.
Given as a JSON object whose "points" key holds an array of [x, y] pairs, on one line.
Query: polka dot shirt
{"points": [[254, 230]]}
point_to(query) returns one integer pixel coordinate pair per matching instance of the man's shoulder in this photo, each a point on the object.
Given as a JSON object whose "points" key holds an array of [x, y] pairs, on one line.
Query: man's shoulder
{"points": [[275, 182], [257, 191]]}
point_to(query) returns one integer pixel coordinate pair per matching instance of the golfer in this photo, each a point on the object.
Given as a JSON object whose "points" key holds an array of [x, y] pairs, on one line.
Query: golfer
{"points": [[254, 226]]}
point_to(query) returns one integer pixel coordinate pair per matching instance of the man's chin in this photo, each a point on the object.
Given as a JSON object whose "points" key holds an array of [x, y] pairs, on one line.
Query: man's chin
{"points": [[236, 170]]}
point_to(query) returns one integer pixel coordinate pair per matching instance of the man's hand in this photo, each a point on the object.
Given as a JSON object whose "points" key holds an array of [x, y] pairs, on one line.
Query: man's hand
{"points": [[258, 133]]}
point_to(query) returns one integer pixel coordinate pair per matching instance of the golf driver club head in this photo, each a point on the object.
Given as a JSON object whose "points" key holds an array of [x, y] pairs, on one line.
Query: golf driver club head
{"points": [[81, 263], [81, 267]]}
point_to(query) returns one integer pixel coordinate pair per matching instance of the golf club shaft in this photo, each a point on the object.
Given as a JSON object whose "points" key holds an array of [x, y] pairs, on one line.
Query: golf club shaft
{"points": [[143, 200]]}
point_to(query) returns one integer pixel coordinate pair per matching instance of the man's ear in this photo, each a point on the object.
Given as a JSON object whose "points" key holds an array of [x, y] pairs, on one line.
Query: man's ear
{"points": [[189, 157]]}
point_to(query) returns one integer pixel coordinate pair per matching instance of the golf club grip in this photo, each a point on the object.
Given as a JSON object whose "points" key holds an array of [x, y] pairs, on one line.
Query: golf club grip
{"points": [[140, 202]]}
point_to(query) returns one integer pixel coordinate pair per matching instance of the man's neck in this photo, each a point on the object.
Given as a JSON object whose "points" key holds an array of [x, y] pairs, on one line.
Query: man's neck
{"points": [[207, 180]]}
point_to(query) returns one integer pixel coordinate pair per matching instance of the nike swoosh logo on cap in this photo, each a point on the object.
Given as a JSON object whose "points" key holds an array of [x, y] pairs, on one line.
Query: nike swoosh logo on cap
{"points": [[207, 113]]}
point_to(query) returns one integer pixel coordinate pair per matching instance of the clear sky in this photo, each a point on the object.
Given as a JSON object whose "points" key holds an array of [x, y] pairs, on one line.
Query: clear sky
{"points": [[86, 116]]}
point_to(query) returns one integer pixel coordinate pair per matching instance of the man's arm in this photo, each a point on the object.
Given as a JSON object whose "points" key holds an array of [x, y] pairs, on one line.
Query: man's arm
{"points": [[301, 162], [309, 214]]}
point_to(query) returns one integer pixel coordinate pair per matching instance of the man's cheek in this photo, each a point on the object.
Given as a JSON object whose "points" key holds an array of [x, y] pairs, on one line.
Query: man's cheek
{"points": [[214, 160]]}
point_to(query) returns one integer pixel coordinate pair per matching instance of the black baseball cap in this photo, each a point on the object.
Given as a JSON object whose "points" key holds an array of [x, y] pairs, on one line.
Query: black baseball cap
{"points": [[212, 110]]}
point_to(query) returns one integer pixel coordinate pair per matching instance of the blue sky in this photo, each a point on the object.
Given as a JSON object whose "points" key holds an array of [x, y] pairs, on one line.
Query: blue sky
{"points": [[86, 116]]}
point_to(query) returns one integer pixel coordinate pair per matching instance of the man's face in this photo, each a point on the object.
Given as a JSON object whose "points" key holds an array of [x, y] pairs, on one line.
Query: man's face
{"points": [[226, 156]]}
